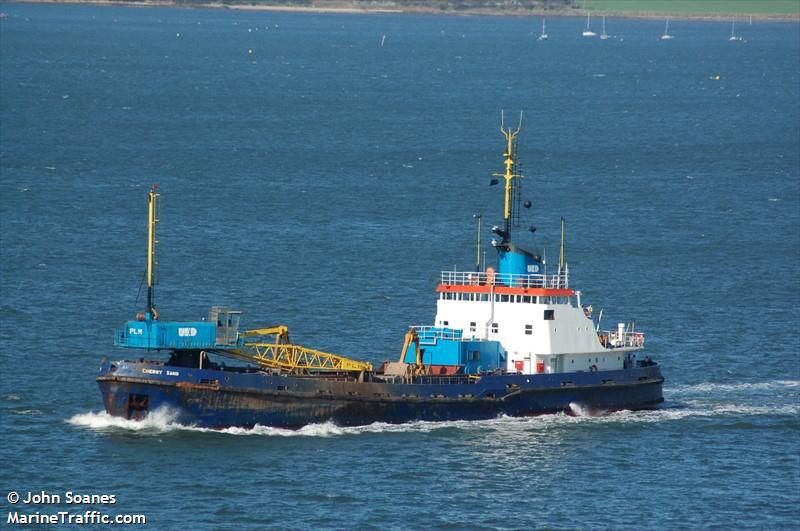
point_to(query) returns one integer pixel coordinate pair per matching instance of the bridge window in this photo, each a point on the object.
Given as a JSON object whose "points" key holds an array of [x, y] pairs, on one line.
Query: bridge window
{"points": [[549, 315], [528, 330], [503, 298], [526, 298]]}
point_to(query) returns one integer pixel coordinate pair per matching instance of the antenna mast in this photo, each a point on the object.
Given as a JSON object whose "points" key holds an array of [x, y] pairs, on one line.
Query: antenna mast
{"points": [[561, 257], [478, 259], [151, 247], [509, 175]]}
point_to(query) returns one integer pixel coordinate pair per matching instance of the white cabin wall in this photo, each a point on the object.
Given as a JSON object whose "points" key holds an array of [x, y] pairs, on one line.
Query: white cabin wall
{"points": [[570, 337]]}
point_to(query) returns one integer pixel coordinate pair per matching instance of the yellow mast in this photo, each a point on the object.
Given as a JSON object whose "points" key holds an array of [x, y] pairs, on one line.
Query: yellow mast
{"points": [[151, 245], [509, 174], [561, 261]]}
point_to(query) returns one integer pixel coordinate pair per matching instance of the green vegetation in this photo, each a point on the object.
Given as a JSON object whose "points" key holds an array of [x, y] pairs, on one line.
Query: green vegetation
{"points": [[448, 5], [766, 7]]}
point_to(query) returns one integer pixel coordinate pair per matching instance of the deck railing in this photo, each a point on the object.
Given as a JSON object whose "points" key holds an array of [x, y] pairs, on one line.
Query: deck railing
{"points": [[615, 339], [481, 278], [428, 333]]}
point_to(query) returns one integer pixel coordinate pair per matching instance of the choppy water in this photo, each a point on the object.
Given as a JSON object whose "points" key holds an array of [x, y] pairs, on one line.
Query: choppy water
{"points": [[322, 181]]}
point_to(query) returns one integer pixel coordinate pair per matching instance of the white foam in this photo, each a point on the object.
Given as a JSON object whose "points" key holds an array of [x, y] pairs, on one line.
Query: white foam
{"points": [[163, 420], [582, 410], [329, 429], [160, 420], [12, 398], [30, 412], [710, 387]]}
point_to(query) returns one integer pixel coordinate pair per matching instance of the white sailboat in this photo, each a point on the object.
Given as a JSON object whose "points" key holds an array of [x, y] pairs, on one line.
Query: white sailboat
{"points": [[543, 36], [733, 36], [604, 35], [588, 32], [666, 36]]}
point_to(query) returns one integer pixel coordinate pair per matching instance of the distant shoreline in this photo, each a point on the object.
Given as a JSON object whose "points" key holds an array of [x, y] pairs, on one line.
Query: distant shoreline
{"points": [[416, 10]]}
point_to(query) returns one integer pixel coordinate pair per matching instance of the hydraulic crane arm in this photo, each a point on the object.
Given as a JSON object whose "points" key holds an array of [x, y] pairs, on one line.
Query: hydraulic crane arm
{"points": [[255, 347], [294, 358], [281, 333], [411, 337]]}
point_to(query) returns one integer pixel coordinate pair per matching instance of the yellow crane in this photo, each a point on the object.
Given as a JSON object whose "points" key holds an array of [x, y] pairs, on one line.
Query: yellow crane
{"points": [[282, 354], [412, 336], [281, 333]]}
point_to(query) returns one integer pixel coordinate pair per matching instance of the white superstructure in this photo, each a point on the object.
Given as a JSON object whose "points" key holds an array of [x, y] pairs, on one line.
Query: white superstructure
{"points": [[539, 322], [517, 318]]}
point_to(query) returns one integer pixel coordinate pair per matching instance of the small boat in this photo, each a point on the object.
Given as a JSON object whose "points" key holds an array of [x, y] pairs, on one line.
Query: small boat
{"points": [[733, 36], [604, 35], [543, 36], [666, 36], [588, 31]]}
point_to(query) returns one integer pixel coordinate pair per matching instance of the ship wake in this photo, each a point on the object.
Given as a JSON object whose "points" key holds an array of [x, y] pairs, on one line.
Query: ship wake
{"points": [[580, 410], [158, 421], [164, 421]]}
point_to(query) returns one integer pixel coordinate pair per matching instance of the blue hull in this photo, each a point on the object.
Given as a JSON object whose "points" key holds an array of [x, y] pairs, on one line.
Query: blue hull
{"points": [[225, 398]]}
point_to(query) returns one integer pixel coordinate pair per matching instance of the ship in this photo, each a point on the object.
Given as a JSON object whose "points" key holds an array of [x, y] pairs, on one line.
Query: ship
{"points": [[512, 339]]}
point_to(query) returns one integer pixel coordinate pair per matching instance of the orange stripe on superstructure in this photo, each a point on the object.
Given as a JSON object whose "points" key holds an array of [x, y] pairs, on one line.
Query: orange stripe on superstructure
{"points": [[504, 290]]}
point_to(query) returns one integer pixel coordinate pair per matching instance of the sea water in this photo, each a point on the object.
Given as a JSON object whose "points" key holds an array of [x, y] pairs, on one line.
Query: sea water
{"points": [[319, 171]]}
